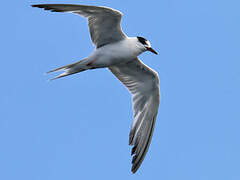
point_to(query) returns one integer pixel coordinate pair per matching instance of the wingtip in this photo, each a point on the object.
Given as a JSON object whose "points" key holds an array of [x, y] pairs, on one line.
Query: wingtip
{"points": [[134, 169], [35, 5], [135, 164], [50, 7]]}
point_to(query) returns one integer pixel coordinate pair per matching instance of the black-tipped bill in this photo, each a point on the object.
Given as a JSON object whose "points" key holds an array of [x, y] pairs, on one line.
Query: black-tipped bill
{"points": [[151, 50]]}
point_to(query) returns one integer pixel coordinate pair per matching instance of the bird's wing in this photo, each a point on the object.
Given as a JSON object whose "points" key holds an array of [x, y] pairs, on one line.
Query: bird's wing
{"points": [[104, 23], [143, 83]]}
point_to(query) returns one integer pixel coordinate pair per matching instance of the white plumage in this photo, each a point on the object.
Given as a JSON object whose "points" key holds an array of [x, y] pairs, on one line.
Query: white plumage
{"points": [[118, 52]]}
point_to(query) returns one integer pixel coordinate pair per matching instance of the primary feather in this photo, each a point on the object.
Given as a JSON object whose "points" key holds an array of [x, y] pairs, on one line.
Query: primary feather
{"points": [[143, 83]]}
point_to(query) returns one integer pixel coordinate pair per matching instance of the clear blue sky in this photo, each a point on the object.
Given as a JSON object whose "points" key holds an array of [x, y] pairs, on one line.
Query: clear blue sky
{"points": [[77, 127]]}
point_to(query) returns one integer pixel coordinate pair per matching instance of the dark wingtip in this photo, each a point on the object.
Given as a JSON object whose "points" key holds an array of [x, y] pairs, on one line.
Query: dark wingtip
{"points": [[39, 6], [133, 150], [36, 5], [135, 164], [134, 169], [47, 7]]}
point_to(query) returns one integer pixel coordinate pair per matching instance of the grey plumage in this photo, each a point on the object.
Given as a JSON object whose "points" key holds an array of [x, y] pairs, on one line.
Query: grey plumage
{"points": [[142, 82], [104, 23]]}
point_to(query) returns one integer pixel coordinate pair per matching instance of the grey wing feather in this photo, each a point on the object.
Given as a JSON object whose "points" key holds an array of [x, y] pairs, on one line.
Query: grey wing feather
{"points": [[104, 23], [143, 83]]}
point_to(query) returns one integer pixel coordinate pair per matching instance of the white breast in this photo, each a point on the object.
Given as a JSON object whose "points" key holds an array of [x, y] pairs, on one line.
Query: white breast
{"points": [[119, 52]]}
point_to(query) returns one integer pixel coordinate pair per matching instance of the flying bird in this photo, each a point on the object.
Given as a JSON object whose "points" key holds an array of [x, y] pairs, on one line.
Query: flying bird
{"points": [[119, 53]]}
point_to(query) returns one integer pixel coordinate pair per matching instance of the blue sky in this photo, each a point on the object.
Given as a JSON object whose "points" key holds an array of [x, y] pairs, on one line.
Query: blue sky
{"points": [[77, 127]]}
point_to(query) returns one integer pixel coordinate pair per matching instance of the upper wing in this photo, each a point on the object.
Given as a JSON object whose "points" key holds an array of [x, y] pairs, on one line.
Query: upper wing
{"points": [[104, 23], [143, 83]]}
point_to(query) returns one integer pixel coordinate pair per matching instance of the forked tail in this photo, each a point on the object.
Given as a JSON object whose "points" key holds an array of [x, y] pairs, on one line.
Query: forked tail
{"points": [[71, 69]]}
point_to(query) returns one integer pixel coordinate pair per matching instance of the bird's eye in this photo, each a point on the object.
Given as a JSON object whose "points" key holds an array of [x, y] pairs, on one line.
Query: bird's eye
{"points": [[142, 40]]}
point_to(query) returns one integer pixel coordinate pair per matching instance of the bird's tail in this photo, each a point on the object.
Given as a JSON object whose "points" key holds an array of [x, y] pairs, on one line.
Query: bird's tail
{"points": [[71, 69]]}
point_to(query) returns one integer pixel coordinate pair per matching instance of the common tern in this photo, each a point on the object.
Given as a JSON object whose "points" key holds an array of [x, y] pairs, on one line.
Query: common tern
{"points": [[119, 53]]}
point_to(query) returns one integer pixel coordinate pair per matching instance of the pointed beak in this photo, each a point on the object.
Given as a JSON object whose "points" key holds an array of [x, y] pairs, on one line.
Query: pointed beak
{"points": [[151, 50]]}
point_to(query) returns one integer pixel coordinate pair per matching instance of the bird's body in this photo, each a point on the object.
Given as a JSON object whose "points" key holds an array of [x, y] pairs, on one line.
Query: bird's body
{"points": [[111, 54], [119, 53]]}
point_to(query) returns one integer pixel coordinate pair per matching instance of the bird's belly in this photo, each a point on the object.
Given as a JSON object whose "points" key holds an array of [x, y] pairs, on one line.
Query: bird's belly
{"points": [[113, 55], [117, 56]]}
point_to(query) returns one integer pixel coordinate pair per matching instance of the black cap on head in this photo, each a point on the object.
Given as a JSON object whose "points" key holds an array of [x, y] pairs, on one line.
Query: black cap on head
{"points": [[142, 40]]}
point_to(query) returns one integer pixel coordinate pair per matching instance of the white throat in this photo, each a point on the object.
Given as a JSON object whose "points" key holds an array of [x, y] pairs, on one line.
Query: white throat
{"points": [[135, 45]]}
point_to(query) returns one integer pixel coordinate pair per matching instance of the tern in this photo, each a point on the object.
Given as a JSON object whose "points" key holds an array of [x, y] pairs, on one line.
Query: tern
{"points": [[119, 53]]}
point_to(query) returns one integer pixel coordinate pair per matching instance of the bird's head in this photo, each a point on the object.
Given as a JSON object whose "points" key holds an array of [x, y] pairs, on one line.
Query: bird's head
{"points": [[145, 45]]}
